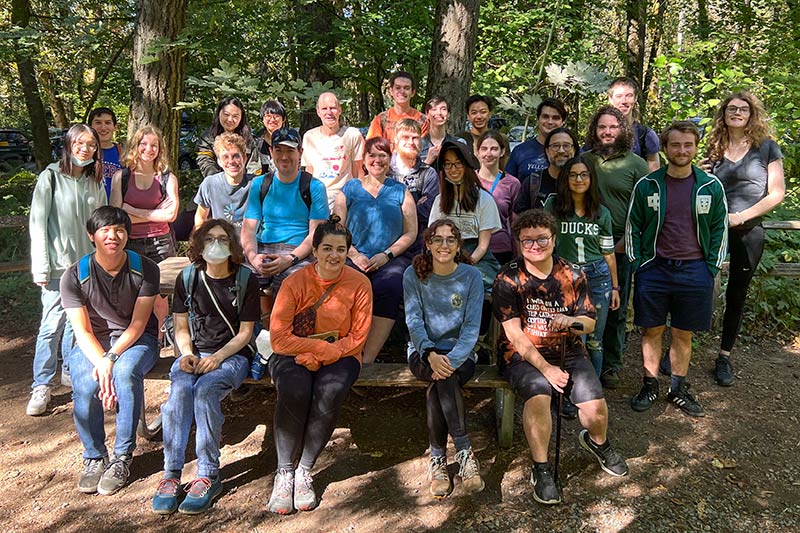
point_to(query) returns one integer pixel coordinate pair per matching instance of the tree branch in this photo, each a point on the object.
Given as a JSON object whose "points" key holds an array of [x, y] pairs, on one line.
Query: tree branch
{"points": [[105, 74]]}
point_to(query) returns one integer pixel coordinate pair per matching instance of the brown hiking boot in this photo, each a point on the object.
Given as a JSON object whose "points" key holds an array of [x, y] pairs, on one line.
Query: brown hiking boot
{"points": [[468, 470], [441, 485]]}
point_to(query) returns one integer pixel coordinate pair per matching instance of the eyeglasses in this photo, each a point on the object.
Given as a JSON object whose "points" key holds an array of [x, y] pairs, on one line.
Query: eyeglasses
{"points": [[457, 164], [580, 176], [449, 241], [743, 109], [541, 242], [89, 146], [222, 239], [562, 147]]}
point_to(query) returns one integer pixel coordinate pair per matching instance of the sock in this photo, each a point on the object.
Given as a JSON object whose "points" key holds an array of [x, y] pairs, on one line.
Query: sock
{"points": [[603, 446], [675, 382], [461, 443], [304, 467], [723, 357], [172, 474], [541, 466], [211, 477], [650, 381], [437, 451]]}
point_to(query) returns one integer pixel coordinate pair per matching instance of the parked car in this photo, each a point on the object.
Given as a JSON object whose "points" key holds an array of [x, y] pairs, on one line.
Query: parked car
{"points": [[57, 136], [187, 156], [16, 148], [515, 135]]}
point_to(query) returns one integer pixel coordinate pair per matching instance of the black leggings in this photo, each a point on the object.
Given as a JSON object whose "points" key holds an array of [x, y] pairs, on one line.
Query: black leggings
{"points": [[444, 402], [746, 247], [307, 407]]}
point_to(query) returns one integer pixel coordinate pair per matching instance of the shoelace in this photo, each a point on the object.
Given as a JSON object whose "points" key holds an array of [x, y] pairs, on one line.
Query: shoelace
{"points": [[92, 466], [304, 481], [283, 480], [168, 487], [438, 468], [468, 465], [39, 393], [199, 487], [119, 469]]}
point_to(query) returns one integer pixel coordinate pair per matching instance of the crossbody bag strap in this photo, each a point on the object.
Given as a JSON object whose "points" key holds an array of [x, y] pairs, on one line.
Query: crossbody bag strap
{"points": [[324, 295], [216, 304]]}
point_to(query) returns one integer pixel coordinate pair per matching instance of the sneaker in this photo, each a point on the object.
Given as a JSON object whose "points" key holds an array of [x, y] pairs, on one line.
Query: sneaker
{"points": [[610, 378], [468, 471], [568, 409], [545, 489], [165, 500], [723, 371], [66, 379], [92, 470], [610, 460], [115, 475], [646, 396], [665, 365], [40, 397], [441, 485], [686, 401], [201, 494], [305, 499], [282, 491]]}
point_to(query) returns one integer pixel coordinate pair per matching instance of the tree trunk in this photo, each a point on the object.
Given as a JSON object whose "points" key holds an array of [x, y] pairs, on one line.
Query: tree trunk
{"points": [[20, 16], [313, 31], [455, 36], [57, 107], [156, 87], [655, 42], [636, 33]]}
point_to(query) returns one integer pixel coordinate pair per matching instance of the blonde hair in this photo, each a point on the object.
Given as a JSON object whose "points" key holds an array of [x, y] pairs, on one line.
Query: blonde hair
{"points": [[757, 129], [131, 157], [228, 141]]}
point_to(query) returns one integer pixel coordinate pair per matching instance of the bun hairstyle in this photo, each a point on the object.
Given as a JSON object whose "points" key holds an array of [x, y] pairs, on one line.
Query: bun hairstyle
{"points": [[423, 263], [332, 226]]}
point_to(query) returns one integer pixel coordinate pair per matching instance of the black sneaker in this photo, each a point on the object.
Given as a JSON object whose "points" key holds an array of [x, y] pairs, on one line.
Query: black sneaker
{"points": [[568, 409], [646, 396], [610, 460], [723, 371], [686, 401], [610, 378], [545, 489], [665, 366]]}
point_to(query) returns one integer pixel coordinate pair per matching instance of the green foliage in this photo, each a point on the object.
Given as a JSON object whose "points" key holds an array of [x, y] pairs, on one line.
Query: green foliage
{"points": [[16, 193]]}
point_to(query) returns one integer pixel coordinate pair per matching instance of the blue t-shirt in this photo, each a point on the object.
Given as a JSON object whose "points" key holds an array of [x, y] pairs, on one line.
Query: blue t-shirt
{"points": [[375, 222], [284, 216], [651, 143], [110, 166], [526, 159]]}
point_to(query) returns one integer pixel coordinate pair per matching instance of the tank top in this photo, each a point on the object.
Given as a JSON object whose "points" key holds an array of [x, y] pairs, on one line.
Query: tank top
{"points": [[145, 199]]}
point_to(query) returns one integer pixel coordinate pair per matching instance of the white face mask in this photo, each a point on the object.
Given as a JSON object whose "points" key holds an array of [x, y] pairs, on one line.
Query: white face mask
{"points": [[80, 163], [216, 253]]}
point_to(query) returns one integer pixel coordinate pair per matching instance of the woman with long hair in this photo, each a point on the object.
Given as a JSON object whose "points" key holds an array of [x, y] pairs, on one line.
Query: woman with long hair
{"points": [[584, 239], [443, 297], [463, 200], [504, 188], [229, 117], [65, 195], [748, 162]]}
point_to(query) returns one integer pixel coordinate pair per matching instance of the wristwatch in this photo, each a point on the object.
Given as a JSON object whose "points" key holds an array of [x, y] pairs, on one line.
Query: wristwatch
{"points": [[389, 254], [111, 356], [295, 259]]}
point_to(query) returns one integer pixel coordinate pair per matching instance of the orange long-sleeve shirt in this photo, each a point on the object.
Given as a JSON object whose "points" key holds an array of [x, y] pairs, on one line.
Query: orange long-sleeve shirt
{"points": [[347, 309]]}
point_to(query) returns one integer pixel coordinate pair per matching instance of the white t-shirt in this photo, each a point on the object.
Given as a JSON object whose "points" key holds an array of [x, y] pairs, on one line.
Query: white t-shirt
{"points": [[331, 157], [471, 223]]}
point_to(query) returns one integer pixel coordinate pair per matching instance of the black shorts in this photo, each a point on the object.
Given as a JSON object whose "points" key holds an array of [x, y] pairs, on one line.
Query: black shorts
{"points": [[526, 381]]}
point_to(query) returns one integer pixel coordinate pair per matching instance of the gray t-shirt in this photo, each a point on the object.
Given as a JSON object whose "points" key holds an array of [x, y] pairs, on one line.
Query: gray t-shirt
{"points": [[225, 201]]}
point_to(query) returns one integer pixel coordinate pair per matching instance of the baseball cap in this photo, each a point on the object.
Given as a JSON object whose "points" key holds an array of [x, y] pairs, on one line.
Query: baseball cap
{"points": [[287, 137]]}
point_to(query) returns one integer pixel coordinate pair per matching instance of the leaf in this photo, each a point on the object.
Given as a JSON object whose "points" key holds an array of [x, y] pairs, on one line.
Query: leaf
{"points": [[701, 509], [723, 463]]}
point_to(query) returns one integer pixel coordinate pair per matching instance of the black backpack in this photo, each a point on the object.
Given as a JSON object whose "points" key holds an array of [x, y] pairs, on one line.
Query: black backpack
{"points": [[305, 187]]}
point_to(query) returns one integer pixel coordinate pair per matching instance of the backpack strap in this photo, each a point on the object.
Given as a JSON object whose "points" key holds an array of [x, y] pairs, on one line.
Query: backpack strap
{"points": [[242, 277], [189, 276], [84, 268], [305, 187], [266, 183], [126, 177], [384, 118]]}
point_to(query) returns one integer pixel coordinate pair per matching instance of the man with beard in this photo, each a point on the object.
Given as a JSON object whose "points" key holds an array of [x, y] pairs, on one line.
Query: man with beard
{"points": [[560, 145], [617, 169], [676, 239], [623, 94], [531, 157]]}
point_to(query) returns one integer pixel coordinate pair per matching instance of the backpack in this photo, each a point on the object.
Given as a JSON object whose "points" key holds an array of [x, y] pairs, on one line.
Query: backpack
{"points": [[162, 179], [189, 276], [134, 262], [305, 187]]}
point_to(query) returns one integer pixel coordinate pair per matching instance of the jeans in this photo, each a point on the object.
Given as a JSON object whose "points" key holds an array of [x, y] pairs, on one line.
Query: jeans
{"points": [[614, 334], [599, 277], [198, 398], [128, 374], [53, 329]]}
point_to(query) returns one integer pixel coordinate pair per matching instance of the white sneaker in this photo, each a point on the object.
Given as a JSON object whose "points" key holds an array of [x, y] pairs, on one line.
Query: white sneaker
{"points": [[40, 397]]}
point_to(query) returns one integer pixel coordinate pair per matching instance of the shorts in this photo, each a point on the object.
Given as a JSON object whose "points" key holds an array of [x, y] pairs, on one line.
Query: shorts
{"points": [[154, 248], [526, 381], [271, 284], [683, 290]]}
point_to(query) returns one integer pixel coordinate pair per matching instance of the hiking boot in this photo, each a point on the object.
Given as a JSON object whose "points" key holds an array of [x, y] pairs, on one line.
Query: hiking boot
{"points": [[115, 475], [40, 397], [281, 501], [201, 494], [723, 371], [305, 499], [468, 471], [545, 489], [610, 378], [665, 365], [441, 485], [646, 396], [165, 500], [568, 409], [686, 401], [610, 460], [92, 471]]}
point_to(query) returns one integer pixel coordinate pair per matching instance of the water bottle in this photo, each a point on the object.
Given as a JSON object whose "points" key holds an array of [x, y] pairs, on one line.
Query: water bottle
{"points": [[261, 358]]}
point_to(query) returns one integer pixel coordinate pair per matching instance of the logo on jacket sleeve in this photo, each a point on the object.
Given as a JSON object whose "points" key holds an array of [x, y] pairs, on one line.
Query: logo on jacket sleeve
{"points": [[652, 201], [703, 204]]}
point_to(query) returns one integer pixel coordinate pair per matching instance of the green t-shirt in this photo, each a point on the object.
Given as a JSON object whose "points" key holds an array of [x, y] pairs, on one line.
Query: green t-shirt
{"points": [[581, 240], [616, 177]]}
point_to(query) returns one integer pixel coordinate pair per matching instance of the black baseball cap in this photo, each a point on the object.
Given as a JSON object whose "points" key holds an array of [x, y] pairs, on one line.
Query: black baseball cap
{"points": [[286, 137]]}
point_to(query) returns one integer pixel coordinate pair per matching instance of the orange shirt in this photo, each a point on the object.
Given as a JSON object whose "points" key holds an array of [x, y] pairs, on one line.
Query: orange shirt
{"points": [[385, 127], [347, 309]]}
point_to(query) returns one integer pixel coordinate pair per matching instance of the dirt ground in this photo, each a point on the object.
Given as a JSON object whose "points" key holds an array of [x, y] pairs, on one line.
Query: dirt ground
{"points": [[737, 469]]}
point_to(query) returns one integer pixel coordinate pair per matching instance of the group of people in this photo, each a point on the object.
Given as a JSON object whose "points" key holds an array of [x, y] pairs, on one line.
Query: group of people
{"points": [[325, 240]]}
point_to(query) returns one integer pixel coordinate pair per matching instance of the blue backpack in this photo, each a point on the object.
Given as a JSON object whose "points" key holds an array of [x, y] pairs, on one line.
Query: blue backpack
{"points": [[134, 262]]}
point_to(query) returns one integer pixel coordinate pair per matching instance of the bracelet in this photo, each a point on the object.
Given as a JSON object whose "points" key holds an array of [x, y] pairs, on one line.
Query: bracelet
{"points": [[615, 288]]}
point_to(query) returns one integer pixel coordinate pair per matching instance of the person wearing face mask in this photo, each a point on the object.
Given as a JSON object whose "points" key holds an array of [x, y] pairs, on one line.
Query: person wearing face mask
{"points": [[66, 192], [214, 360]]}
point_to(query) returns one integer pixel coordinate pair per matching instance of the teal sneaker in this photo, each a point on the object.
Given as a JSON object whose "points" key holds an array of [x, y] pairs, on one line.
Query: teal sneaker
{"points": [[202, 492], [165, 500]]}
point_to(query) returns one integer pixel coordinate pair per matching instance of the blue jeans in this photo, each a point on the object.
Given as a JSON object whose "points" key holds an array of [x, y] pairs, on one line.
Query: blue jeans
{"points": [[53, 329], [198, 397], [128, 373], [614, 334], [599, 277]]}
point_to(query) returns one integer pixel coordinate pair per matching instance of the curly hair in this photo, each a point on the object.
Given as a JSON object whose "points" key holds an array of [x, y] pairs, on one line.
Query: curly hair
{"points": [[564, 205], [534, 218], [227, 141], [131, 157], [624, 140], [197, 242], [423, 263], [757, 129]]}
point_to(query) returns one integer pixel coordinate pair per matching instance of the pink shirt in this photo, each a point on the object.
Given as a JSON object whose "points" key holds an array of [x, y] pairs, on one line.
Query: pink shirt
{"points": [[145, 199]]}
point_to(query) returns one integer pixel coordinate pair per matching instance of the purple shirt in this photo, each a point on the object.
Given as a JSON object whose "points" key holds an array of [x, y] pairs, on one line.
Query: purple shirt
{"points": [[678, 236], [504, 193]]}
